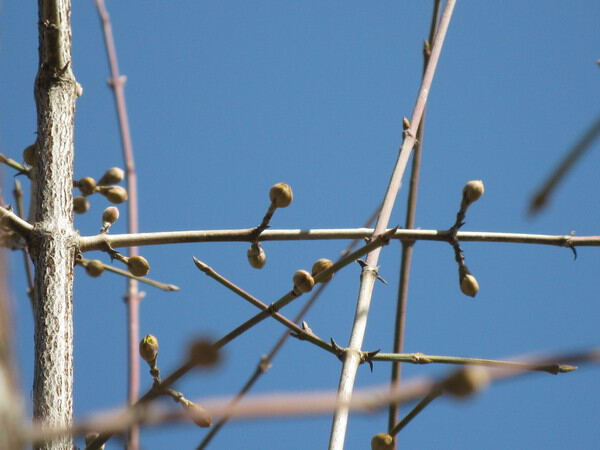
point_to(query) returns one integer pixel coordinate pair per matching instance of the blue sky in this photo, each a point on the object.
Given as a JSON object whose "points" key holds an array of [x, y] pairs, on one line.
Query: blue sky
{"points": [[227, 98]]}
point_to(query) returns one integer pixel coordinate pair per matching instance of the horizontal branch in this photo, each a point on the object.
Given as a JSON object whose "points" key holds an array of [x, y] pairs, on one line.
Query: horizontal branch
{"points": [[98, 242], [292, 404], [14, 222], [420, 358]]}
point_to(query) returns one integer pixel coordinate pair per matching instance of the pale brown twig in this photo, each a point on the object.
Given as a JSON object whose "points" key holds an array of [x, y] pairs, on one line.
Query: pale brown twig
{"points": [[117, 83], [408, 246]]}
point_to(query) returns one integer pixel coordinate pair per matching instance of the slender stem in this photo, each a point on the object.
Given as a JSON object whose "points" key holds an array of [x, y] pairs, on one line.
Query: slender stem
{"points": [[420, 358], [408, 246], [117, 82], [98, 242], [369, 273], [299, 403], [265, 361], [433, 394], [299, 332], [18, 194], [126, 273], [542, 195]]}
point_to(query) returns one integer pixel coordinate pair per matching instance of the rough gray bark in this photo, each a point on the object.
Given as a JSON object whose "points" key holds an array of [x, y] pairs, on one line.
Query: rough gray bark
{"points": [[53, 243]]}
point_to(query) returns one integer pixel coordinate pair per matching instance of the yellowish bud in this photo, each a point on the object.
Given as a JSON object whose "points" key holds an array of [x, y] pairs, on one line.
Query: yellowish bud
{"points": [[87, 185], [198, 414], [80, 205], [110, 215], [113, 175], [138, 266], [319, 266], [94, 268], [303, 282], [149, 348], [29, 155], [469, 285], [467, 381], [281, 195], [405, 123], [382, 441], [472, 191], [115, 194], [256, 256]]}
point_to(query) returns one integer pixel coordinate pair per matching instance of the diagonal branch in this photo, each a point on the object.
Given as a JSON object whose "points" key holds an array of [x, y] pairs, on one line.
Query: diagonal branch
{"points": [[369, 273]]}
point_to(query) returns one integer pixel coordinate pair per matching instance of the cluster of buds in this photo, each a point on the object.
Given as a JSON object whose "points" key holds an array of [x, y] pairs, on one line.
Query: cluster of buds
{"points": [[281, 196], [104, 186], [472, 191]]}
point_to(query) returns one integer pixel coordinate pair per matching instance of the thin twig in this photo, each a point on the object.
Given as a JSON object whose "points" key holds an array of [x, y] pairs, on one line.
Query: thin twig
{"points": [[274, 307], [420, 358], [542, 195], [265, 361], [431, 396], [18, 194], [14, 222], [408, 246], [292, 404], [126, 273], [98, 242], [117, 83], [369, 273], [299, 332]]}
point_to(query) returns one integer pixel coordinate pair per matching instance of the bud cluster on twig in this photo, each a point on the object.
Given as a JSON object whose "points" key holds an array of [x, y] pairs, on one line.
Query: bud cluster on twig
{"points": [[281, 196], [104, 186], [472, 191]]}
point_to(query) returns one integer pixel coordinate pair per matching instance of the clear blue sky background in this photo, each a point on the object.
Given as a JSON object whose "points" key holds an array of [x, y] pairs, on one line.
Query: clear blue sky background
{"points": [[226, 98]]}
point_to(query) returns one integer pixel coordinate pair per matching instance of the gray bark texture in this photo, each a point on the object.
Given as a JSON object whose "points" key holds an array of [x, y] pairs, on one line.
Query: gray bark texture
{"points": [[53, 241]]}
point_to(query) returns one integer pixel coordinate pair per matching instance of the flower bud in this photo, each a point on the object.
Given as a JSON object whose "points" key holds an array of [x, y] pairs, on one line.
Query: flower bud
{"points": [[405, 123], [319, 266], [469, 285], [113, 175], [199, 415], [138, 266], [87, 185], [110, 215], [149, 348], [281, 195], [472, 191], [202, 352], [115, 194], [382, 441], [80, 205], [303, 282], [256, 256], [29, 155], [94, 268], [466, 381]]}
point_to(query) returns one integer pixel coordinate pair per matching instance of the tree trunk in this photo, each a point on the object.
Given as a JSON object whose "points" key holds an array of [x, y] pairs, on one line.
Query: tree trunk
{"points": [[53, 242]]}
